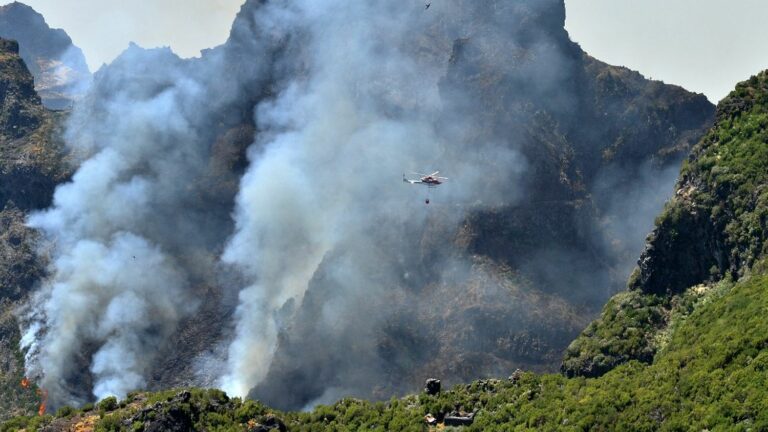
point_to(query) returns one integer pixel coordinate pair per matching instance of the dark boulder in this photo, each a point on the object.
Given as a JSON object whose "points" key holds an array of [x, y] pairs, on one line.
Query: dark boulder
{"points": [[432, 386], [175, 419], [458, 418]]}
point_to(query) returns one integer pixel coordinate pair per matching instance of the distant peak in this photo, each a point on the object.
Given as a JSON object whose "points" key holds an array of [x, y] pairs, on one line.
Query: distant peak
{"points": [[21, 8], [59, 68]]}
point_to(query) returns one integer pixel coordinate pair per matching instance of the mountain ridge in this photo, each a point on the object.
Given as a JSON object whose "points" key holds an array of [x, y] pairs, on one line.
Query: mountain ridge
{"points": [[57, 65]]}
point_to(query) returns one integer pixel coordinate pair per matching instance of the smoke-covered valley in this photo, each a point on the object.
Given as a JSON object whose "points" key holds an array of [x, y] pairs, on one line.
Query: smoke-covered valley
{"points": [[239, 220]]}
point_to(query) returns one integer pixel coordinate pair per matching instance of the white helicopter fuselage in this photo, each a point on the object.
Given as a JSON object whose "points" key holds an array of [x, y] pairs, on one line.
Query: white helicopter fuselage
{"points": [[428, 180]]}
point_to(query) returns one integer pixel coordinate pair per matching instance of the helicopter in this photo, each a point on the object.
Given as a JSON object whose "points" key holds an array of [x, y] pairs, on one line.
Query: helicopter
{"points": [[429, 180]]}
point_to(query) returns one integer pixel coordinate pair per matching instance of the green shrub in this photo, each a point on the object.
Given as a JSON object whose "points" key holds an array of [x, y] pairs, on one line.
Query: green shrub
{"points": [[65, 411], [108, 404]]}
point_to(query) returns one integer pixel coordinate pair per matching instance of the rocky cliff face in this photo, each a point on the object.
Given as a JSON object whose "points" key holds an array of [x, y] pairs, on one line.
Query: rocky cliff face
{"points": [[713, 229], [30, 137], [533, 269], [58, 67], [31, 164]]}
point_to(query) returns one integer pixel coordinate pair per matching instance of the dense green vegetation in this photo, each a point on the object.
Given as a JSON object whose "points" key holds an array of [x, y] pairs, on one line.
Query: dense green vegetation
{"points": [[714, 229], [633, 326], [732, 165], [625, 331]]}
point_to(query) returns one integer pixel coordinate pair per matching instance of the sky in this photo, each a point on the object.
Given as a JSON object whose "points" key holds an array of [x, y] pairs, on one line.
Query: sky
{"points": [[704, 45], [103, 28]]}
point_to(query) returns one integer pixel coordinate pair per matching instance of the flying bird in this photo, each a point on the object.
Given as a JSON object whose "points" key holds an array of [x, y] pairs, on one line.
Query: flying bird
{"points": [[427, 6]]}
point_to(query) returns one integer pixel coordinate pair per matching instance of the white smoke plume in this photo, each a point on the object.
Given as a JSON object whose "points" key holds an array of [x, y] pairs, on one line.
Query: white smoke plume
{"points": [[116, 233], [110, 285], [356, 105], [115, 292], [333, 144]]}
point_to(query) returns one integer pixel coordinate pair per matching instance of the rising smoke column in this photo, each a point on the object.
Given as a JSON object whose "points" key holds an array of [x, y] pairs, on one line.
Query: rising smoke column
{"points": [[137, 225], [111, 286], [325, 168], [354, 105], [115, 234]]}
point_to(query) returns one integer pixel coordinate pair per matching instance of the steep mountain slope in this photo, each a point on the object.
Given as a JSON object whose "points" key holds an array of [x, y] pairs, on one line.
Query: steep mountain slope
{"points": [[714, 228], [509, 285], [59, 68], [31, 164], [707, 371]]}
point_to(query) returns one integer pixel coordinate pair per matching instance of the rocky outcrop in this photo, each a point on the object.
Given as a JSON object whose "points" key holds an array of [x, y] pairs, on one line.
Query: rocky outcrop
{"points": [[680, 252], [432, 386], [20, 267], [59, 68], [21, 109]]}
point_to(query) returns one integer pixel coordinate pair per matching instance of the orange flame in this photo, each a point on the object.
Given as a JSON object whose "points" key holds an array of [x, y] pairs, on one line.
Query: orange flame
{"points": [[43, 393], [25, 383]]}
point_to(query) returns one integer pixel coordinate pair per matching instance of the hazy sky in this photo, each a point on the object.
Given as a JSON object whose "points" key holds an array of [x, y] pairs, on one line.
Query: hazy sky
{"points": [[103, 28], [704, 45]]}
